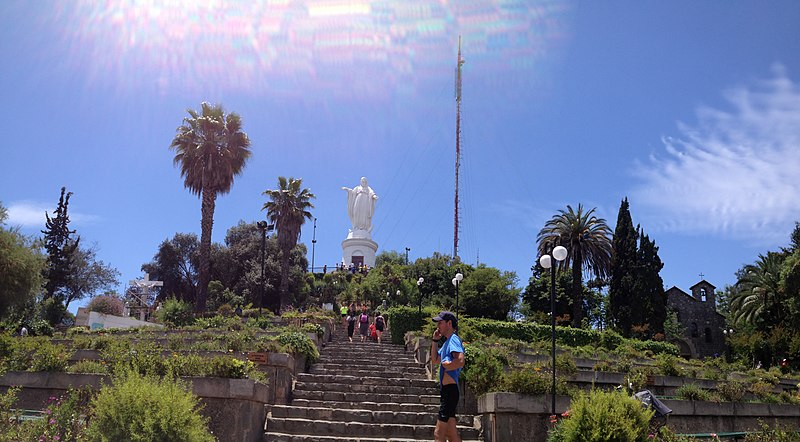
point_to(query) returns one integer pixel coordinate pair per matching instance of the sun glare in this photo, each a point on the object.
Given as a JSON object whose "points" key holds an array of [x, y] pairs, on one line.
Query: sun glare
{"points": [[287, 47]]}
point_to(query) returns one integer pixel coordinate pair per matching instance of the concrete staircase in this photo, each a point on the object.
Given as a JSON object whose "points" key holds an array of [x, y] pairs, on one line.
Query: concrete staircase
{"points": [[362, 392]]}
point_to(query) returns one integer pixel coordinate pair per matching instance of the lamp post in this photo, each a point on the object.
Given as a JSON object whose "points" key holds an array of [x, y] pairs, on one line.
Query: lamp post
{"points": [[313, 244], [456, 282], [407, 250], [558, 253], [264, 227], [419, 289]]}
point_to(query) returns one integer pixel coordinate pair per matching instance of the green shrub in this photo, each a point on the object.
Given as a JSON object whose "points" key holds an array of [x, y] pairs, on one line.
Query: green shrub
{"points": [[527, 379], [7, 399], [731, 391], [147, 408], [263, 322], [655, 347], [403, 319], [310, 327], [668, 365], [65, 420], [176, 313], [37, 354], [300, 343], [565, 365], [603, 416], [768, 434], [638, 378], [764, 391], [691, 392], [228, 367], [609, 339], [218, 321], [484, 368]]}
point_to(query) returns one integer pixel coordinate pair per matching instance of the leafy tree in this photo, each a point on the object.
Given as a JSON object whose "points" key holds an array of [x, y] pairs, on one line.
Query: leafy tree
{"points": [[488, 293], [621, 294], [387, 278], [108, 304], [587, 239], [237, 263], [211, 149], [88, 275], [438, 271], [176, 264], [288, 209], [790, 270], [390, 256], [60, 247], [536, 295], [21, 268]]}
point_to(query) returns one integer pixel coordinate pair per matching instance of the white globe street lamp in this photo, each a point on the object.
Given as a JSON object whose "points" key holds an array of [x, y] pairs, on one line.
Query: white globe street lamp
{"points": [[419, 289], [456, 282], [557, 253]]}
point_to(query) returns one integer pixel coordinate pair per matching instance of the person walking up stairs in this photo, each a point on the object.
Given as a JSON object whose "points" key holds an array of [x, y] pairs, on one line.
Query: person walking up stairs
{"points": [[362, 392]]}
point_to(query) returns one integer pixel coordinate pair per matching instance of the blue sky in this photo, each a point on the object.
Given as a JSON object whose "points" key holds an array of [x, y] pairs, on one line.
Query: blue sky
{"points": [[690, 109]]}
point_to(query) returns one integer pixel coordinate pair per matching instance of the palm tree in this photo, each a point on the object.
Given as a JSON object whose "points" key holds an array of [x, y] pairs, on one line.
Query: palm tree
{"points": [[288, 209], [758, 290], [588, 242], [211, 150]]}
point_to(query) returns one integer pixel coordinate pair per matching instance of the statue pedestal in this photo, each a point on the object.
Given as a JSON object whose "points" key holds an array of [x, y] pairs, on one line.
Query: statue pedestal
{"points": [[359, 247]]}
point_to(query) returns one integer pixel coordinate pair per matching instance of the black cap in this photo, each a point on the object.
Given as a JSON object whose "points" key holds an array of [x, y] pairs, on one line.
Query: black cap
{"points": [[446, 316]]}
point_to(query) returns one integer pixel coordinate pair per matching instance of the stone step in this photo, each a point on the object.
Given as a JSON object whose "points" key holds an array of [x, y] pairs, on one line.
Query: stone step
{"points": [[342, 396], [384, 345], [375, 406], [368, 370], [364, 348], [379, 390], [310, 427], [367, 359], [364, 415], [366, 380], [280, 437]]}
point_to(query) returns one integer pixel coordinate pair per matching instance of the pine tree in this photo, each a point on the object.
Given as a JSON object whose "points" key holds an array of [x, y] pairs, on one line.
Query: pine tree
{"points": [[60, 249], [621, 291]]}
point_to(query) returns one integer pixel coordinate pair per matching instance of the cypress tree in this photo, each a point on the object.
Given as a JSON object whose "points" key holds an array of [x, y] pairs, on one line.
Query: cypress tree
{"points": [[621, 290], [60, 248], [651, 286]]}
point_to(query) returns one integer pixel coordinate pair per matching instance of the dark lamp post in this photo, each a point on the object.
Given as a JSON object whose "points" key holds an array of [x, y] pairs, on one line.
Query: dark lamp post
{"points": [[559, 253], [264, 227]]}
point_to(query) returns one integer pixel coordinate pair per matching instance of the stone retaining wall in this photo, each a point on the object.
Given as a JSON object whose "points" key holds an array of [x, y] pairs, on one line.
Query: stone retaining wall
{"points": [[512, 416], [235, 406]]}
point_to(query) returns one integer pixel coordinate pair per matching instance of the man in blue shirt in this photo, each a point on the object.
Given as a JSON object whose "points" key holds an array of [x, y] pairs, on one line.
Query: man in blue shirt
{"points": [[451, 359]]}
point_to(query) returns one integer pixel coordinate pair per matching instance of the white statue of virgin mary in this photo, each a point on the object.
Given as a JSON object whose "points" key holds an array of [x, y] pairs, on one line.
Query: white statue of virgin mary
{"points": [[360, 207]]}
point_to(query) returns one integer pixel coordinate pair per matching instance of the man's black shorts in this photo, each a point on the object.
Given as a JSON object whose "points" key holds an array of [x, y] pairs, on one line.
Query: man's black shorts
{"points": [[448, 401]]}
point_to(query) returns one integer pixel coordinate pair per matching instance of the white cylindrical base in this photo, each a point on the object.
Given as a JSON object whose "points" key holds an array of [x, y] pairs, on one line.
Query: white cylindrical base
{"points": [[359, 247]]}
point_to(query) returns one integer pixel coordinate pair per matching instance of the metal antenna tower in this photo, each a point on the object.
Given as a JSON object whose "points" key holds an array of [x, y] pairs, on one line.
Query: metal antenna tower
{"points": [[456, 214]]}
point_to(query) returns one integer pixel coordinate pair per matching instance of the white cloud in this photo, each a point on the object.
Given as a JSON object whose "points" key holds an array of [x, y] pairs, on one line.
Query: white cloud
{"points": [[736, 173], [29, 214]]}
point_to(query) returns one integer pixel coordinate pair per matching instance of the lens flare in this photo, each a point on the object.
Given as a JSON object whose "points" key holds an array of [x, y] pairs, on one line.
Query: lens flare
{"points": [[283, 47]]}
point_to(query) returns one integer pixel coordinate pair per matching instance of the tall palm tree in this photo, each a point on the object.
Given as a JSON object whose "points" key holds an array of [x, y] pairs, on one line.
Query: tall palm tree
{"points": [[288, 209], [588, 242], [757, 298], [211, 149]]}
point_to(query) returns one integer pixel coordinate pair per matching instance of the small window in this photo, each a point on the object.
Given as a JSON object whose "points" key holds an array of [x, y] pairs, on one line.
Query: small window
{"points": [[703, 295], [695, 331], [708, 335]]}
